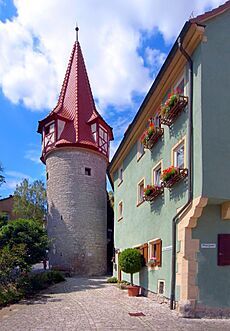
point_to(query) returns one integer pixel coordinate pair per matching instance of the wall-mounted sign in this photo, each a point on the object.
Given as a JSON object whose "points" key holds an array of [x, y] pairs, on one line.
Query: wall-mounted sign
{"points": [[167, 248], [208, 245]]}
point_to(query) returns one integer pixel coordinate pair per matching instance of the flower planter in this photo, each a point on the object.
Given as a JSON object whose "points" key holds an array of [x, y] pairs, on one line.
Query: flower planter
{"points": [[149, 143], [177, 177], [133, 290], [169, 116], [158, 190]]}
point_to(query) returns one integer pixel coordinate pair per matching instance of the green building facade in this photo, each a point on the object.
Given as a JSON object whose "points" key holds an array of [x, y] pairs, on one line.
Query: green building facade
{"points": [[203, 230]]}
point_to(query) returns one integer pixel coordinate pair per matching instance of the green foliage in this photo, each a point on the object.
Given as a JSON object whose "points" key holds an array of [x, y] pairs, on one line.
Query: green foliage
{"points": [[33, 283], [28, 233], [3, 219], [112, 280], [11, 259], [130, 261], [9, 294], [30, 200], [28, 285]]}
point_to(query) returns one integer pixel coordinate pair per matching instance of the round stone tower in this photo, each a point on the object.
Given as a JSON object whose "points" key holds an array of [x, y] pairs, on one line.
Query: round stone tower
{"points": [[75, 149]]}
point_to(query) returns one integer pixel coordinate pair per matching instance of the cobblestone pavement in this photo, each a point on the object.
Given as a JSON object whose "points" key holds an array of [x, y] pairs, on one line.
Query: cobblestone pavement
{"points": [[91, 304]]}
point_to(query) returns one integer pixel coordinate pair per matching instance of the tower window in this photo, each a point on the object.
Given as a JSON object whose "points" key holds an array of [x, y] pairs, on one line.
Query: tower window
{"points": [[88, 171], [47, 176]]}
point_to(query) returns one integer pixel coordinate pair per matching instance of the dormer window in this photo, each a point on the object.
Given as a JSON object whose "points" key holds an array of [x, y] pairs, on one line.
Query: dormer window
{"points": [[49, 128], [103, 140], [49, 135], [94, 131]]}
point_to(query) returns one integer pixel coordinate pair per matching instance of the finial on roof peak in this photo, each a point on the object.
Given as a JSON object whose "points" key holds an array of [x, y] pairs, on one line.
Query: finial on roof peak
{"points": [[77, 29]]}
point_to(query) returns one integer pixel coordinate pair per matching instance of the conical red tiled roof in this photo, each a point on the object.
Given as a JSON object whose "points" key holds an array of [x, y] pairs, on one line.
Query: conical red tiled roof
{"points": [[76, 105]]}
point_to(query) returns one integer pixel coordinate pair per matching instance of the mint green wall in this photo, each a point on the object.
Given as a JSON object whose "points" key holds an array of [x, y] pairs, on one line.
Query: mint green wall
{"points": [[213, 280], [216, 108], [149, 221]]}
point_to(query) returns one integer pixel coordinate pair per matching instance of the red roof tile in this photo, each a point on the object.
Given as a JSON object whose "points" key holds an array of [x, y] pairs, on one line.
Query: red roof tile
{"points": [[212, 13]]}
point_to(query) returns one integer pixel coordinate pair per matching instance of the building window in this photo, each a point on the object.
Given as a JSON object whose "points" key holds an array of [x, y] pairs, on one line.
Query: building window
{"points": [[157, 120], [49, 128], [161, 287], [88, 171], [157, 174], [47, 176], [223, 249], [103, 140], [94, 131], [155, 251], [120, 175], [179, 155], [140, 191], [120, 210], [140, 149]]}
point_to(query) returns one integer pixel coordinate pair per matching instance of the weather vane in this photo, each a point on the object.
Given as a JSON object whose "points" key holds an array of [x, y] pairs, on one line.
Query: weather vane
{"points": [[77, 29]]}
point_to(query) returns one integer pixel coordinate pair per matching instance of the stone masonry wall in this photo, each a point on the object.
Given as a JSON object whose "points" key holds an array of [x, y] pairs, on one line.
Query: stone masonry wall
{"points": [[77, 211]]}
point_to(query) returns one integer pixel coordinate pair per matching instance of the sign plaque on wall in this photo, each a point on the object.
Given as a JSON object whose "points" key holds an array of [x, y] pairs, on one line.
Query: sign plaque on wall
{"points": [[208, 245]]}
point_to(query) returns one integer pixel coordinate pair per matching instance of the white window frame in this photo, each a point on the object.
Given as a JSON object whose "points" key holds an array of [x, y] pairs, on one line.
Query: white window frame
{"points": [[139, 200], [182, 77], [158, 287], [158, 166], [174, 152]]}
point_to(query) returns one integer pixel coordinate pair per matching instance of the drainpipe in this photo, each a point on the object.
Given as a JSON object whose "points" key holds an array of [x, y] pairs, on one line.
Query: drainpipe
{"points": [[190, 163]]}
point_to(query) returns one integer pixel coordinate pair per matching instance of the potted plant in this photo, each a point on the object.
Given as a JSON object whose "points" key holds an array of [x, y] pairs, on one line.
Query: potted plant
{"points": [[152, 261], [152, 191], [130, 262], [168, 173], [169, 103], [149, 132]]}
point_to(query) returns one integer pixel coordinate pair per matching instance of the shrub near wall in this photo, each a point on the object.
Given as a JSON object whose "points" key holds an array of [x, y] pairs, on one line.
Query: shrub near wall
{"points": [[28, 285]]}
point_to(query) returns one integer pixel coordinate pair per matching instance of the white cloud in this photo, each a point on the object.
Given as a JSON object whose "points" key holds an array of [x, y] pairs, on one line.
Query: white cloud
{"points": [[13, 178], [35, 46], [33, 155]]}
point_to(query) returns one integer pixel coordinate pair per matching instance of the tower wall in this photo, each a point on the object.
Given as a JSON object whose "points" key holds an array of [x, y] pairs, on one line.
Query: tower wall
{"points": [[77, 221]]}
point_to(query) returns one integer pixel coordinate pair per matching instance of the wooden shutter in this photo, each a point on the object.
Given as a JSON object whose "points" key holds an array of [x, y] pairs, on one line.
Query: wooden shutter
{"points": [[223, 249], [158, 252], [145, 252]]}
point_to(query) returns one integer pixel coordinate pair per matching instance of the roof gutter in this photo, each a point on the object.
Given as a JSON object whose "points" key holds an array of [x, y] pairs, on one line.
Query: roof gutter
{"points": [[175, 219]]}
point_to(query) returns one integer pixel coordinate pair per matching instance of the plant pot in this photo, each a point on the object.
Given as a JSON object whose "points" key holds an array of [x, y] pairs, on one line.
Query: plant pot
{"points": [[133, 290]]}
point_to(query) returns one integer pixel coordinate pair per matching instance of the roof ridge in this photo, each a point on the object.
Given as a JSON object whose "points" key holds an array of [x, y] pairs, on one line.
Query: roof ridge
{"points": [[65, 82], [213, 12]]}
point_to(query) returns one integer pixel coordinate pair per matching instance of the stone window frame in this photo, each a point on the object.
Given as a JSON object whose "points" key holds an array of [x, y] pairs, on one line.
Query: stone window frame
{"points": [[156, 167], [120, 210], [176, 147], [120, 174], [140, 201]]}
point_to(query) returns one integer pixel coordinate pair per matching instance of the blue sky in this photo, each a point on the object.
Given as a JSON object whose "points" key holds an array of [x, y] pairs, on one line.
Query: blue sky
{"points": [[124, 44]]}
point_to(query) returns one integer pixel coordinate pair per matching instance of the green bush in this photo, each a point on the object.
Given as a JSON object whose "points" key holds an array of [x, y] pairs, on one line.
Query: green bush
{"points": [[130, 261], [30, 284], [9, 294], [112, 280]]}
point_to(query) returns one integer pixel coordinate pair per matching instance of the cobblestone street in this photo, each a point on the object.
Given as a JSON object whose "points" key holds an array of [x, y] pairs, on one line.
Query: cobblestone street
{"points": [[91, 304]]}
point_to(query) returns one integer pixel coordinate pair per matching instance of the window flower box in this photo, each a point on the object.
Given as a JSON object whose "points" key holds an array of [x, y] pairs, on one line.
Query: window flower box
{"points": [[151, 192], [152, 262], [151, 135], [172, 108], [173, 175]]}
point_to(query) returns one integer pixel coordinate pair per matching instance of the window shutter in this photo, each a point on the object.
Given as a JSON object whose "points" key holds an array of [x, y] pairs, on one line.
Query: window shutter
{"points": [[145, 248], [223, 249], [158, 253]]}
